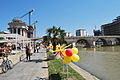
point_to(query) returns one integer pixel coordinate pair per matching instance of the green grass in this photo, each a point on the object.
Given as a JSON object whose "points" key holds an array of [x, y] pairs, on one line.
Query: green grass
{"points": [[49, 53], [55, 68]]}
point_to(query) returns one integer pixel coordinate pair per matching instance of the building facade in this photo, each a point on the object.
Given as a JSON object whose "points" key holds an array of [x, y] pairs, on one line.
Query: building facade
{"points": [[97, 33], [68, 34], [17, 26], [111, 29], [81, 32]]}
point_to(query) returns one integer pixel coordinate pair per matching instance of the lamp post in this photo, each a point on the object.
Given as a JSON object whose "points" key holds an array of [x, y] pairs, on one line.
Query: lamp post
{"points": [[34, 24]]}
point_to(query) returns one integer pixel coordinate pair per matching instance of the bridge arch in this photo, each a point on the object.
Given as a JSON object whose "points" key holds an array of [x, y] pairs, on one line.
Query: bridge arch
{"points": [[117, 40], [82, 43], [101, 41], [90, 40]]}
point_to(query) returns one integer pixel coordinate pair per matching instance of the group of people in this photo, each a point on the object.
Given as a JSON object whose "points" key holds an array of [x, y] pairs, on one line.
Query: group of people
{"points": [[28, 51]]}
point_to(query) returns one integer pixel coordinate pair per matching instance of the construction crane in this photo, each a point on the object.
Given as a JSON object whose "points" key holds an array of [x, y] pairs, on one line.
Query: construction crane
{"points": [[34, 24], [28, 13]]}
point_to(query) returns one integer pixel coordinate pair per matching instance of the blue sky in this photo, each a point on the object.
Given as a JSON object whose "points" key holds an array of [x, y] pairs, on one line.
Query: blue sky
{"points": [[69, 14]]}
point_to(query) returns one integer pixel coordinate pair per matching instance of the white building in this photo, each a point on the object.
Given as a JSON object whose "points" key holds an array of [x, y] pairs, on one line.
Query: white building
{"points": [[68, 34], [81, 32], [20, 34]]}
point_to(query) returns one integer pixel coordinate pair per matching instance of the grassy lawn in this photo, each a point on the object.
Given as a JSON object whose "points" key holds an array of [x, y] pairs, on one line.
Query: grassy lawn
{"points": [[55, 68]]}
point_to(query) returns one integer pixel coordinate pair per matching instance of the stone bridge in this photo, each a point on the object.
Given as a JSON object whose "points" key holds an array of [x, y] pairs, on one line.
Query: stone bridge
{"points": [[93, 40]]}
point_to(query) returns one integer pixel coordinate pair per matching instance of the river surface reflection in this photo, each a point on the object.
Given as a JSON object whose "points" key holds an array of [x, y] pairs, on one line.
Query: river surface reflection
{"points": [[102, 62]]}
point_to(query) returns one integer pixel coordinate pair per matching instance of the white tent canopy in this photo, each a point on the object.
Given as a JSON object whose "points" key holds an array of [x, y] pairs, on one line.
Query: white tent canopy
{"points": [[14, 37], [3, 41]]}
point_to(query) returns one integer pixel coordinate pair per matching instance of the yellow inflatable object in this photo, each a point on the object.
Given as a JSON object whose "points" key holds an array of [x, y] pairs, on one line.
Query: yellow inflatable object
{"points": [[75, 50], [67, 60], [75, 58]]}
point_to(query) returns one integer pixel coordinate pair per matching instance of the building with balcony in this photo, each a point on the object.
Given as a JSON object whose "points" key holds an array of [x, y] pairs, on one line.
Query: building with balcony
{"points": [[81, 32], [17, 26], [111, 29]]}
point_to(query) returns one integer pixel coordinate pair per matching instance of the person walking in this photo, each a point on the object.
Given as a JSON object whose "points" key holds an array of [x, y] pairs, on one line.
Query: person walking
{"points": [[38, 49], [27, 53]]}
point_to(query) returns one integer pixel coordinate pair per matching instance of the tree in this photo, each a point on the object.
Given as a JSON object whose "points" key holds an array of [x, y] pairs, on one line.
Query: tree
{"points": [[62, 36], [46, 40], [56, 35]]}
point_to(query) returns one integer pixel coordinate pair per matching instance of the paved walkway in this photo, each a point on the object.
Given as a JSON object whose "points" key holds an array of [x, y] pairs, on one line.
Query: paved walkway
{"points": [[36, 69]]}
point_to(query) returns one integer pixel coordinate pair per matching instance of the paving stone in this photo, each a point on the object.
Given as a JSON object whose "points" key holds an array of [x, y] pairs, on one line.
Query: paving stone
{"points": [[35, 69]]}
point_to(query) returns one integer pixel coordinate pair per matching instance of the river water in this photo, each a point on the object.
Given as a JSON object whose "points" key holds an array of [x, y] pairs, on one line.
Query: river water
{"points": [[102, 62]]}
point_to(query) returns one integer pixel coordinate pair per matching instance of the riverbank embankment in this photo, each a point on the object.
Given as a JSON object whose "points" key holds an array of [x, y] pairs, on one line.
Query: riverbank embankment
{"points": [[83, 73]]}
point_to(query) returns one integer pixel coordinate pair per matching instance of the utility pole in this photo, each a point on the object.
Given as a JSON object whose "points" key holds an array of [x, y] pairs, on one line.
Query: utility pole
{"points": [[34, 24], [95, 27]]}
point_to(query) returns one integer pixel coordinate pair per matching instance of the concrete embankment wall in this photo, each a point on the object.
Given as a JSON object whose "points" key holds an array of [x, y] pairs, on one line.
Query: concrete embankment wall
{"points": [[83, 73], [17, 57]]}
